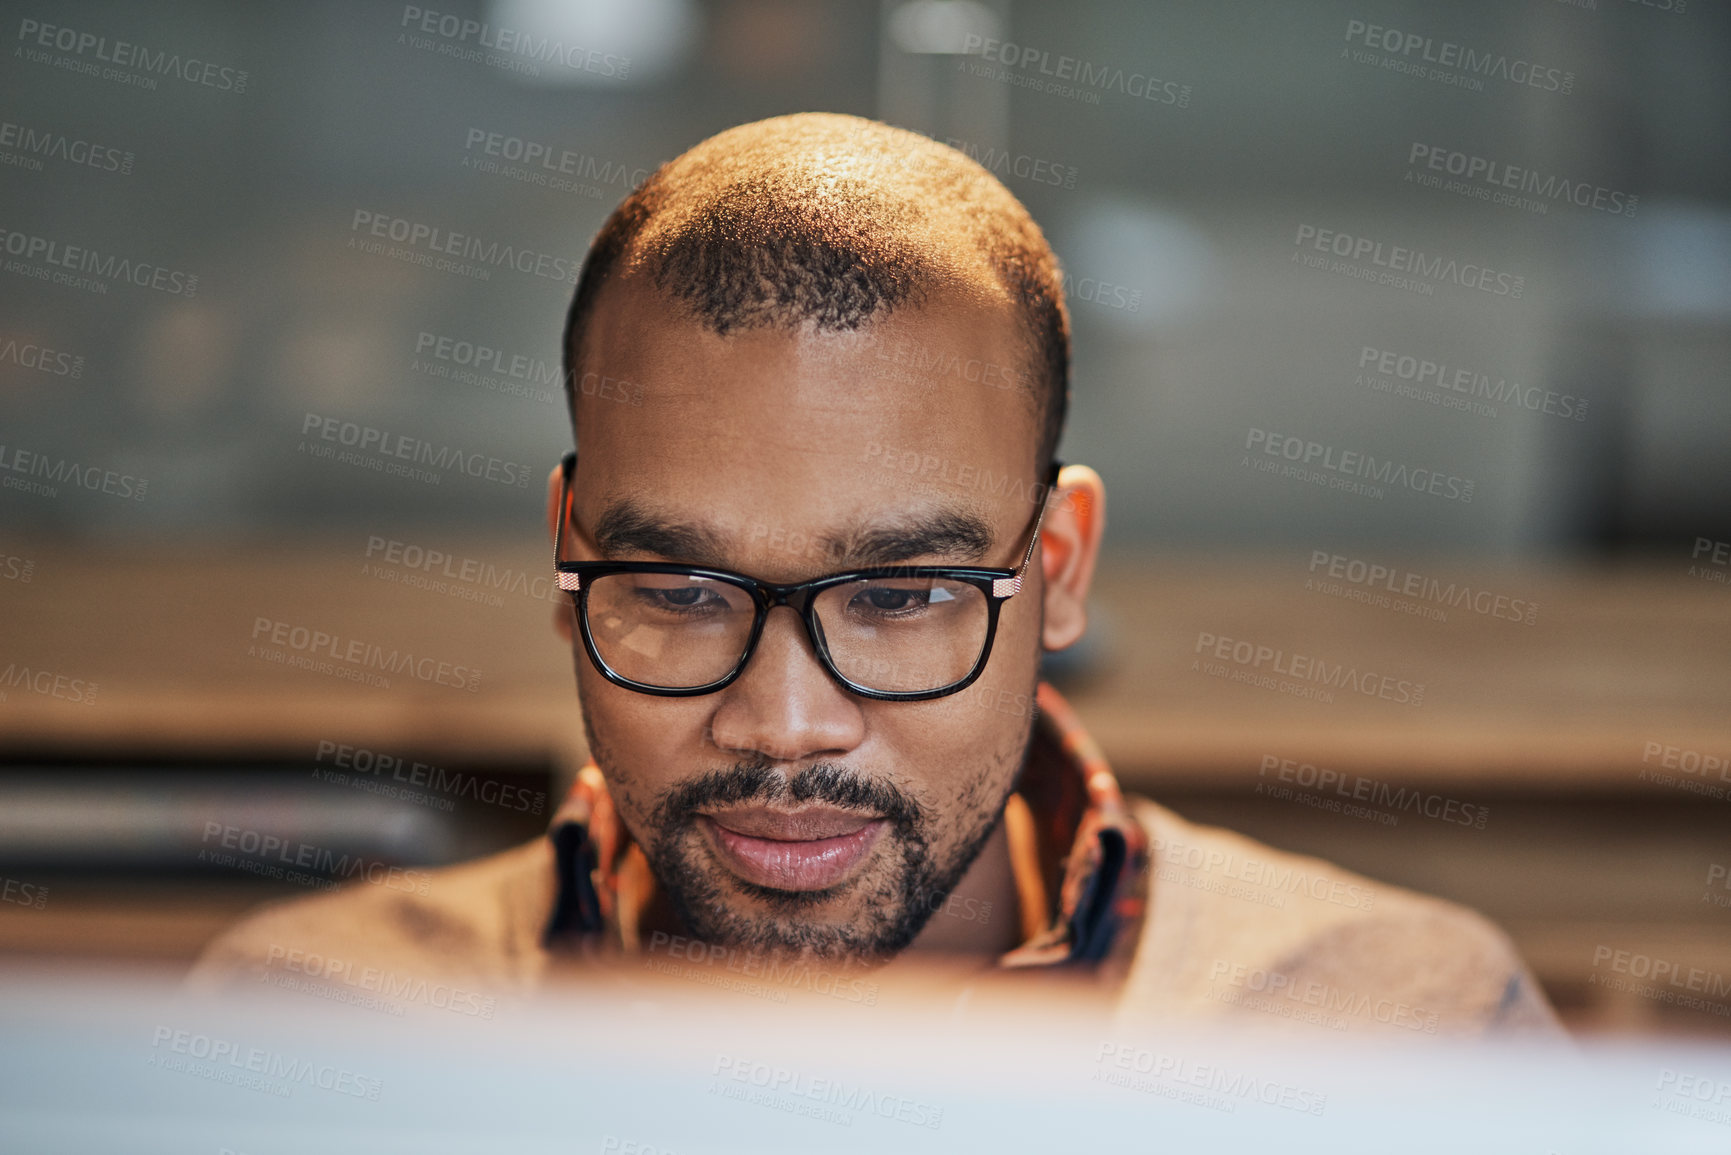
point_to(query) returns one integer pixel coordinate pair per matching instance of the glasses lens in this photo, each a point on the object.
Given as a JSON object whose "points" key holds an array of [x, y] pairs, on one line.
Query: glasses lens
{"points": [[904, 635], [672, 631]]}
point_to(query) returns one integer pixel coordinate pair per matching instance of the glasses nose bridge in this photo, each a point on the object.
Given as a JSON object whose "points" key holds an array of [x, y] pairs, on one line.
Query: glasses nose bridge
{"points": [[798, 599], [794, 597]]}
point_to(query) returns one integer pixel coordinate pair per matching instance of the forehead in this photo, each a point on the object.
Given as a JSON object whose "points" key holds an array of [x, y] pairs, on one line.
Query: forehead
{"points": [[928, 408]]}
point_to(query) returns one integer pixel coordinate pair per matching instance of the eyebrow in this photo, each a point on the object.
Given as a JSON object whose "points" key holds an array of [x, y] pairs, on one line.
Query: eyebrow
{"points": [[951, 533], [627, 527]]}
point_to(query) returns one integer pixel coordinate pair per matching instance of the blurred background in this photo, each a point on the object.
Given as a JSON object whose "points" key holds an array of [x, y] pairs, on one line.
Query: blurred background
{"points": [[1487, 244]]}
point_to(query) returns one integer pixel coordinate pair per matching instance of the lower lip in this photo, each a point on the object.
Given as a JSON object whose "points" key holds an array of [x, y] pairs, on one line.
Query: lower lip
{"points": [[817, 864]]}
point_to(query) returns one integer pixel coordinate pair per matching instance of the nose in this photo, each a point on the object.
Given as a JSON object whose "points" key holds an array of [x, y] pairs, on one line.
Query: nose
{"points": [[784, 705]]}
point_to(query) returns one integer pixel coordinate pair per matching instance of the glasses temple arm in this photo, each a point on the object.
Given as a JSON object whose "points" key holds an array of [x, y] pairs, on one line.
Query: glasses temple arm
{"points": [[567, 467], [1010, 586]]}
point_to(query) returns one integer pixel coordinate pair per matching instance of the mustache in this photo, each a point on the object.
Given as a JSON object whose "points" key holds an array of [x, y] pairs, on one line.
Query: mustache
{"points": [[755, 782]]}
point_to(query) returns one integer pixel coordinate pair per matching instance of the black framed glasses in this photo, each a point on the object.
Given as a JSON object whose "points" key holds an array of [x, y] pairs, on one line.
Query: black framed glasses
{"points": [[895, 633]]}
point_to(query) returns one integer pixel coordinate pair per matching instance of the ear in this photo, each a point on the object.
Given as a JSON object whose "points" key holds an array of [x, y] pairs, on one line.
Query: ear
{"points": [[563, 611], [1069, 546]]}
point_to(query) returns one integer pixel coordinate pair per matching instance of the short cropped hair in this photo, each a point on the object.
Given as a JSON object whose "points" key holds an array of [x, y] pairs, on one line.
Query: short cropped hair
{"points": [[835, 221]]}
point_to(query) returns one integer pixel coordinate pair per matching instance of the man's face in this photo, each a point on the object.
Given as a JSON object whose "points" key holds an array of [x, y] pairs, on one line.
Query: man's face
{"points": [[784, 813]]}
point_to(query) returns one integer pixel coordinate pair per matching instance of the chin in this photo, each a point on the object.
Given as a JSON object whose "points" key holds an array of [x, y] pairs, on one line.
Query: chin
{"points": [[827, 925]]}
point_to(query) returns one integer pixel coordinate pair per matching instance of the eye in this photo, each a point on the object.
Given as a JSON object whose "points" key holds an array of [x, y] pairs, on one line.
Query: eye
{"points": [[899, 601], [889, 600], [682, 600]]}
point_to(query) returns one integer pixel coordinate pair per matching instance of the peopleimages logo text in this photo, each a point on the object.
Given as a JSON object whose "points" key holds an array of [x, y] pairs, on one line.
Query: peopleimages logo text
{"points": [[1305, 668], [29, 355], [48, 683], [1416, 262], [1358, 788], [1422, 587], [465, 246], [309, 641], [437, 564], [260, 1062], [59, 146], [553, 159], [62, 471], [460, 30], [1500, 175], [1353, 463], [1461, 57], [1004, 164], [486, 359], [1085, 75], [1421, 371], [128, 55], [95, 263], [367, 439], [358, 761]]}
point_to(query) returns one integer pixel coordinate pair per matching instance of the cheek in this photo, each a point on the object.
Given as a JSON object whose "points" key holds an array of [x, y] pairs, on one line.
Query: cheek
{"points": [[961, 759], [977, 735], [640, 741], [999, 706], [1016, 652]]}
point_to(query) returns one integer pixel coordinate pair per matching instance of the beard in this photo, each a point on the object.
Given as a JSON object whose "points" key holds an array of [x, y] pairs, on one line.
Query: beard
{"points": [[891, 902]]}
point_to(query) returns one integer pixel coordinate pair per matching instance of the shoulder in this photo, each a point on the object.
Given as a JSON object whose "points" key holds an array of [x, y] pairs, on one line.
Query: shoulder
{"points": [[1234, 925], [481, 918]]}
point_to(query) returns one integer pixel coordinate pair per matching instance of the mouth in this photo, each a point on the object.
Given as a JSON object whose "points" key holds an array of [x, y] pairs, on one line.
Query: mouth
{"points": [[813, 848]]}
